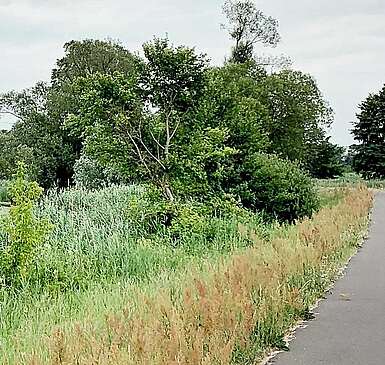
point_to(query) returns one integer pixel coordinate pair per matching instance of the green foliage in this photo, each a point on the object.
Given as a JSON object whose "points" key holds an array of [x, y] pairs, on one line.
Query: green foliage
{"points": [[298, 113], [88, 57], [132, 122], [277, 187], [326, 160], [368, 131], [24, 232], [233, 101], [173, 77], [148, 211], [206, 158], [89, 174], [124, 233], [38, 138]]}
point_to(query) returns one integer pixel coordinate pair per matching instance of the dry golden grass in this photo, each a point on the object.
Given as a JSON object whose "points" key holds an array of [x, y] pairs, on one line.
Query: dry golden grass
{"points": [[230, 312]]}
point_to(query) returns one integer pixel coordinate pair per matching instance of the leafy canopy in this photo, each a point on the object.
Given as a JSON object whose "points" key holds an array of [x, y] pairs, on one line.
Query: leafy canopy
{"points": [[369, 132]]}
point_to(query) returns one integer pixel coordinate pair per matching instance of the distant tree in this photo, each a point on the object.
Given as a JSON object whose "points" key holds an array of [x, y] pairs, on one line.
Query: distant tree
{"points": [[247, 26], [88, 57], [369, 132], [325, 159], [35, 138], [348, 159]]}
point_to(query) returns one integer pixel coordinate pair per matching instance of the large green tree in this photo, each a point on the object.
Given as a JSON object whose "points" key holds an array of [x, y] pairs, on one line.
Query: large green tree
{"points": [[298, 114], [135, 121], [369, 132], [35, 138], [38, 137]]}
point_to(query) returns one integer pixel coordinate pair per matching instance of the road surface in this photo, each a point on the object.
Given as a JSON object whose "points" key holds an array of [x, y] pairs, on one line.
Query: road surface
{"points": [[349, 328]]}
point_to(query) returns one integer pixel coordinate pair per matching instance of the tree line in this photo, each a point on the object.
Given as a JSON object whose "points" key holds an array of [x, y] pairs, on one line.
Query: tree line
{"points": [[170, 118]]}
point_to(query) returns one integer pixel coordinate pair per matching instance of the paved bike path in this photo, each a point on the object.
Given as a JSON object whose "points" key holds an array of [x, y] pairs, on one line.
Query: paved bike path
{"points": [[349, 328]]}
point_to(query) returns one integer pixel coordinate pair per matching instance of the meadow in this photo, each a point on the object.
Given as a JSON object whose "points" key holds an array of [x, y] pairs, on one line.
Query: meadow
{"points": [[113, 286]]}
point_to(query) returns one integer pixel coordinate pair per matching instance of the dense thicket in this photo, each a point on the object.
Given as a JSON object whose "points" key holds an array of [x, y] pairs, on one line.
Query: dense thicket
{"points": [[171, 120], [369, 132]]}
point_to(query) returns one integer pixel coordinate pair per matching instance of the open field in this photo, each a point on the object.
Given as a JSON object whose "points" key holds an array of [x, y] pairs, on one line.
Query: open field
{"points": [[111, 298]]}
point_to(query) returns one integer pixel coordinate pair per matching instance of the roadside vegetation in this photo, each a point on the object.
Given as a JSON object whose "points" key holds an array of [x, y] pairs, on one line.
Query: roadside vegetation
{"points": [[160, 210], [350, 180], [105, 294]]}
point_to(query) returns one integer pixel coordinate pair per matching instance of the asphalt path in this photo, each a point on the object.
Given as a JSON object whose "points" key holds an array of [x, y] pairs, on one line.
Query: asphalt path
{"points": [[349, 326]]}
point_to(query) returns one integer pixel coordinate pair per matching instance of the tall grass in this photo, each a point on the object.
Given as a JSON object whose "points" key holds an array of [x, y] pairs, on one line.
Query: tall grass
{"points": [[224, 310], [98, 238], [98, 244], [4, 197]]}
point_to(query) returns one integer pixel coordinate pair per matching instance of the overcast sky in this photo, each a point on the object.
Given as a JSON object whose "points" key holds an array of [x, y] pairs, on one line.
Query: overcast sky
{"points": [[340, 42]]}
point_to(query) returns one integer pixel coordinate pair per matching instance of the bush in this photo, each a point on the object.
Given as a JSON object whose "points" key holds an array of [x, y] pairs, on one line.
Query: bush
{"points": [[277, 187], [23, 231], [89, 174]]}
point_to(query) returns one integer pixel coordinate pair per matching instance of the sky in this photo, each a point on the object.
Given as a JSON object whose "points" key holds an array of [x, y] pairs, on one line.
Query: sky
{"points": [[340, 42]]}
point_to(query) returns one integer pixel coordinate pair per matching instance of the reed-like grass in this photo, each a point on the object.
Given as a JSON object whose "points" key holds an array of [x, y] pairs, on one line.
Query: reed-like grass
{"points": [[222, 310], [98, 246], [4, 197]]}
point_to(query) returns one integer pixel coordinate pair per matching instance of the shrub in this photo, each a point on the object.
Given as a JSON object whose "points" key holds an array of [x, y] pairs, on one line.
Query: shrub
{"points": [[89, 174], [278, 187], [24, 232], [148, 211]]}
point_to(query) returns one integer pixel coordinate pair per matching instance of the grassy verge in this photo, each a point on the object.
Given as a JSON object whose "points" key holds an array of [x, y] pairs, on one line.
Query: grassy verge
{"points": [[350, 180], [100, 247], [228, 309]]}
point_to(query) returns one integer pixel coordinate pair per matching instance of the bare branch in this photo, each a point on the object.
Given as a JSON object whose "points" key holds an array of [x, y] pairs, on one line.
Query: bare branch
{"points": [[175, 130], [12, 113], [156, 141], [147, 149]]}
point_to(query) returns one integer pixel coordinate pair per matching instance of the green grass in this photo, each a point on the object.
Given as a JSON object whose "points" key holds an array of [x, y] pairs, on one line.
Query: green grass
{"points": [[99, 245], [100, 249], [35, 315], [98, 238]]}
